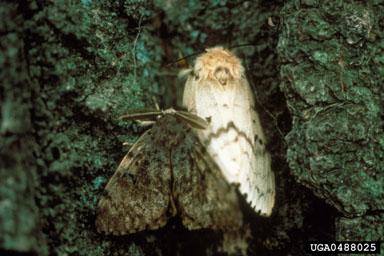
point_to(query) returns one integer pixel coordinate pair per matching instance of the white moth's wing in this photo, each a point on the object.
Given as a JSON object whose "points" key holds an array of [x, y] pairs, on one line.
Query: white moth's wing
{"points": [[260, 187], [216, 106], [234, 139]]}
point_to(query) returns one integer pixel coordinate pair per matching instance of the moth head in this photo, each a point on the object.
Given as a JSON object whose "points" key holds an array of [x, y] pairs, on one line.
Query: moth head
{"points": [[218, 64], [222, 75]]}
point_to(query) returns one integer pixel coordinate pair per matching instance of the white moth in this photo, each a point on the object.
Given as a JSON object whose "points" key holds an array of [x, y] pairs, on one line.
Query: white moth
{"points": [[218, 91]]}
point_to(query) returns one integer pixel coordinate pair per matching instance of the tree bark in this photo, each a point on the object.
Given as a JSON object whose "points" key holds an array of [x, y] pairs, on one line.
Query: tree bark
{"points": [[69, 69], [333, 82]]}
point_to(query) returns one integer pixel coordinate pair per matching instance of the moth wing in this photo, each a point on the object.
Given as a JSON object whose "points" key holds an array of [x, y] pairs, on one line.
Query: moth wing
{"points": [[231, 137], [259, 183], [221, 137], [138, 194], [189, 94], [204, 197]]}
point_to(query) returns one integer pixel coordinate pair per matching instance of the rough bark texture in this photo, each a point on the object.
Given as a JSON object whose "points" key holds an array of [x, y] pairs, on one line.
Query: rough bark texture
{"points": [[68, 69], [332, 70]]}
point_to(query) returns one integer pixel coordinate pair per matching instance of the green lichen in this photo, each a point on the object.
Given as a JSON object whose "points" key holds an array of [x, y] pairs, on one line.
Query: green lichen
{"points": [[19, 216], [69, 69], [334, 91], [74, 86], [367, 228]]}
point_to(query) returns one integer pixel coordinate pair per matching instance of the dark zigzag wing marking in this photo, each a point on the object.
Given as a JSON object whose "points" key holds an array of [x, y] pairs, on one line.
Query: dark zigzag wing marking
{"points": [[204, 197], [264, 185], [137, 197], [223, 130]]}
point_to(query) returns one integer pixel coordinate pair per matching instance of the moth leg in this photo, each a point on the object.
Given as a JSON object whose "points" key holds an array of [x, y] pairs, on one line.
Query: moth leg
{"points": [[156, 103]]}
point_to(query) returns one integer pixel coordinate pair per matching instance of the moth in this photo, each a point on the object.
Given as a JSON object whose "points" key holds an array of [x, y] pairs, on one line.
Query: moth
{"points": [[218, 91], [167, 172]]}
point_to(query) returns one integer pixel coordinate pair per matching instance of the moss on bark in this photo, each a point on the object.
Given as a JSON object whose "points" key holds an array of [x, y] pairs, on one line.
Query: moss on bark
{"points": [[332, 56], [68, 69]]}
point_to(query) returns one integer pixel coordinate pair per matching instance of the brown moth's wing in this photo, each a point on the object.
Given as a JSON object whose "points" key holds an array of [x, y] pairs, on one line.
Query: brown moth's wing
{"points": [[137, 197], [205, 199]]}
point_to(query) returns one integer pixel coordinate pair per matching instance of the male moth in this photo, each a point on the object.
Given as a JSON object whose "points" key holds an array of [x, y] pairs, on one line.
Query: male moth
{"points": [[218, 91], [167, 172]]}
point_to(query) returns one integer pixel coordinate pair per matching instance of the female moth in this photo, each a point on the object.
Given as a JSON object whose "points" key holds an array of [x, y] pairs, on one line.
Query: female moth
{"points": [[218, 91]]}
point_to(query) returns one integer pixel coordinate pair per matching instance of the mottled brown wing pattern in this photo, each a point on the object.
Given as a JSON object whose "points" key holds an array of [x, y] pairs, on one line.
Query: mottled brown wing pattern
{"points": [[167, 171], [137, 197], [203, 196]]}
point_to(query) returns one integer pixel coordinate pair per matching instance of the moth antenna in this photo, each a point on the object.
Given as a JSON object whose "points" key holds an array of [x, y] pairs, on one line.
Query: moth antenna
{"points": [[181, 59], [149, 113], [240, 45], [140, 114], [193, 120], [182, 63]]}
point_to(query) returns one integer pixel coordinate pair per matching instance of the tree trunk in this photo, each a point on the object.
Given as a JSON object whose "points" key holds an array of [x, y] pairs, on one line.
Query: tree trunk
{"points": [[69, 69]]}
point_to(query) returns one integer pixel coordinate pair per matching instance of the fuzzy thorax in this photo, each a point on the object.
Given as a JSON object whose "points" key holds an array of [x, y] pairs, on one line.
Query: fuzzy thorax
{"points": [[218, 64]]}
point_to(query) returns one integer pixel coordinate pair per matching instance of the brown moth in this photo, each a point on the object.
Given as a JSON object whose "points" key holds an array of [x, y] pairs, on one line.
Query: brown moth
{"points": [[167, 172], [218, 91]]}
